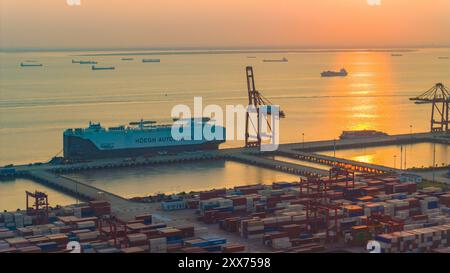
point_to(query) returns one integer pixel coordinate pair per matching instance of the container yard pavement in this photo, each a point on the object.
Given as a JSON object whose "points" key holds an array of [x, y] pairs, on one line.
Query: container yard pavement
{"points": [[127, 210]]}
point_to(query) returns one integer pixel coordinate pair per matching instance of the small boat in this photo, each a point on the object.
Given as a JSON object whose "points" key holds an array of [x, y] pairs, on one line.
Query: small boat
{"points": [[151, 60], [340, 73], [276, 60], [88, 62], [396, 55], [103, 68], [251, 57], [361, 134], [127, 59], [29, 65], [443, 57], [76, 62]]}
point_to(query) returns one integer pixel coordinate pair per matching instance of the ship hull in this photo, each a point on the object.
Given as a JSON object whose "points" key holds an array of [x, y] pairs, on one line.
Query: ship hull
{"points": [[79, 148]]}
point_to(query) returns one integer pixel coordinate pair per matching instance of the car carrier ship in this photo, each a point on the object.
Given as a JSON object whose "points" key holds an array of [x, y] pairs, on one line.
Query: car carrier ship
{"points": [[137, 139]]}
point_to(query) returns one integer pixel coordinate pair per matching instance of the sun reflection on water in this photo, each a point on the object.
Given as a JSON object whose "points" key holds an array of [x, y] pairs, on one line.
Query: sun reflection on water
{"points": [[363, 87]]}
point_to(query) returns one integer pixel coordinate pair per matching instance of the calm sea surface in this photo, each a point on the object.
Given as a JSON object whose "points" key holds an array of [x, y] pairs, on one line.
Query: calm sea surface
{"points": [[38, 103]]}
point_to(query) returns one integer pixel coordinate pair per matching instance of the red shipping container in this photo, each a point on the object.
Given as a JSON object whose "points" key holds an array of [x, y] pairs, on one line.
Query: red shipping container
{"points": [[144, 217], [233, 248], [287, 197], [192, 203], [239, 201], [445, 199]]}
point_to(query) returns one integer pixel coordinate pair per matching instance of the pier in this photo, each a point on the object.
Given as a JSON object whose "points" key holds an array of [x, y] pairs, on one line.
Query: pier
{"points": [[337, 162], [440, 137], [278, 165], [122, 207]]}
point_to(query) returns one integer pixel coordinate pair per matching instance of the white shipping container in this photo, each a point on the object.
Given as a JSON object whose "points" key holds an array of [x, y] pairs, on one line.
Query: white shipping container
{"points": [[4, 245], [8, 217], [68, 211], [27, 220], [283, 219], [158, 241], [281, 243], [255, 228], [87, 224], [255, 236], [269, 220], [55, 230], [88, 235], [158, 249], [6, 234], [299, 217], [137, 237]]}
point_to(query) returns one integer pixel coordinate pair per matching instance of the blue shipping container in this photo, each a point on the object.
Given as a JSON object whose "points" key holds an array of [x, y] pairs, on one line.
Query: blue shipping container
{"points": [[433, 205]]}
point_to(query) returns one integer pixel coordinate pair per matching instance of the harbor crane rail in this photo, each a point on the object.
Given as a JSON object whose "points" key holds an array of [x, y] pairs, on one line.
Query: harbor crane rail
{"points": [[439, 97]]}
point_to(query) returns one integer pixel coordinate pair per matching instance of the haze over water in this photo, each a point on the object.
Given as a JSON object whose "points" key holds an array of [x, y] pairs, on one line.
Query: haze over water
{"points": [[37, 104]]}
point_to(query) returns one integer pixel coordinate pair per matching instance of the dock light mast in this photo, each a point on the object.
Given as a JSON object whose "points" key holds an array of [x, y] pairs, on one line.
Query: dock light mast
{"points": [[439, 97], [255, 99]]}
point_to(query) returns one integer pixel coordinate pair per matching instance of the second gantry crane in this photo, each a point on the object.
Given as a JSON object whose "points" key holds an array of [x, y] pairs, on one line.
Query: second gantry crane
{"points": [[439, 97]]}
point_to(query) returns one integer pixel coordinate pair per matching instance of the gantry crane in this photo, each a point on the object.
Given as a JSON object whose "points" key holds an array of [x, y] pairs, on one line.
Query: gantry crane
{"points": [[39, 206], [439, 97], [256, 100]]}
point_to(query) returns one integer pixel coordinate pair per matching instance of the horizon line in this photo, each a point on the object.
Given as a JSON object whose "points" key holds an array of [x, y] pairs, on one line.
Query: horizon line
{"points": [[175, 48]]}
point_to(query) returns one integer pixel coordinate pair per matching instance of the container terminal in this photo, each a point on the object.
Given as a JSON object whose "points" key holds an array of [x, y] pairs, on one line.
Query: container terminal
{"points": [[334, 210]]}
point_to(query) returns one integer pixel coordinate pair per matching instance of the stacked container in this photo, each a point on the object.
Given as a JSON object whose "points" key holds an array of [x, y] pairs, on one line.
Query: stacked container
{"points": [[417, 240]]}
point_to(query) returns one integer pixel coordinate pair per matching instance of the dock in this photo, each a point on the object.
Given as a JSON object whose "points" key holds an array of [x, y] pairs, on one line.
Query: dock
{"points": [[121, 206], [53, 174], [337, 162]]}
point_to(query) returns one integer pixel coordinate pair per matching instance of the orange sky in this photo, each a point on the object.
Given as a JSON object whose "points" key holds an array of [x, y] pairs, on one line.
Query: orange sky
{"points": [[224, 23]]}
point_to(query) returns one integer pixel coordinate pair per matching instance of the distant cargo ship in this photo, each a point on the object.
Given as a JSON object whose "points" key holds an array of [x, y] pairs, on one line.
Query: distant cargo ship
{"points": [[28, 65], [275, 60], [103, 68], [87, 62], [139, 138], [396, 55], [151, 60], [340, 73], [127, 59], [361, 134], [443, 57]]}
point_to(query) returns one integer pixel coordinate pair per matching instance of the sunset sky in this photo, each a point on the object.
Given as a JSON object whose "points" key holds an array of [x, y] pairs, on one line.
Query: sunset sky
{"points": [[223, 23]]}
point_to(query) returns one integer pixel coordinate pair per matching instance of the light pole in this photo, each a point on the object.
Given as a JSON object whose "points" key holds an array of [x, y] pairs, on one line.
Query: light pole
{"points": [[434, 160], [76, 189], [406, 147], [334, 147], [401, 156], [395, 161], [303, 140]]}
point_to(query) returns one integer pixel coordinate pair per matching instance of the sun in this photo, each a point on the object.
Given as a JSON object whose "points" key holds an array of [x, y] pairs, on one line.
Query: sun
{"points": [[374, 2]]}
